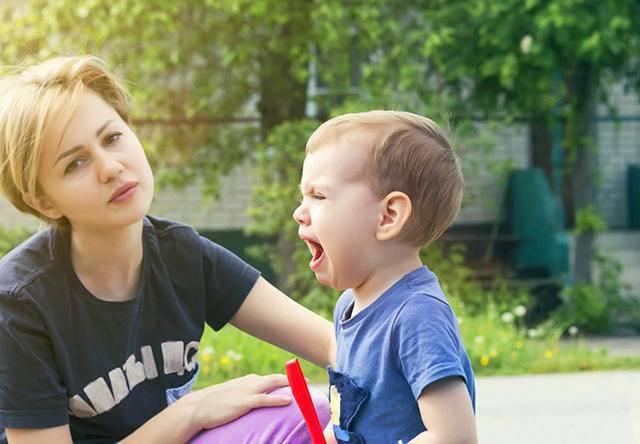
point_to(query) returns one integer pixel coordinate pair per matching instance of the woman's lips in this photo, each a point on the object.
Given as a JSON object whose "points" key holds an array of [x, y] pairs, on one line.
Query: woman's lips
{"points": [[125, 194]]}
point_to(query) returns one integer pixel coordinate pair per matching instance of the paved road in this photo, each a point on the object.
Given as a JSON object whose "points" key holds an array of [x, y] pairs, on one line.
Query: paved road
{"points": [[580, 408], [572, 408]]}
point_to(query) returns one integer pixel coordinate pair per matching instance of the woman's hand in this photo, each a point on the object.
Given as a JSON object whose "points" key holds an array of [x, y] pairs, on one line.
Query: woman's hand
{"points": [[222, 403]]}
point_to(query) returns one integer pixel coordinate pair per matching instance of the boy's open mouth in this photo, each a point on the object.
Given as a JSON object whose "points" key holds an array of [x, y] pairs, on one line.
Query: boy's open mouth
{"points": [[317, 252]]}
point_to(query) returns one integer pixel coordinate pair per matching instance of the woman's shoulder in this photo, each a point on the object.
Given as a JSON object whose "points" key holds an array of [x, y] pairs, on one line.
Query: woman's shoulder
{"points": [[32, 260], [166, 230]]}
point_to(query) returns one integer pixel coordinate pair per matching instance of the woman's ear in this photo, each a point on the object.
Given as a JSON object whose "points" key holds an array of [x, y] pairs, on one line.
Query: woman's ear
{"points": [[395, 212], [42, 205]]}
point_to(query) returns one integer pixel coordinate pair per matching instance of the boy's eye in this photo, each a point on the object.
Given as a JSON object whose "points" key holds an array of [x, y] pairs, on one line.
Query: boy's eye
{"points": [[317, 196]]}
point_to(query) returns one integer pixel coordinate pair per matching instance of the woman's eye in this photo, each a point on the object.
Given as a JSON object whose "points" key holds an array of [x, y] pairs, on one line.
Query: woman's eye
{"points": [[112, 138], [73, 165]]}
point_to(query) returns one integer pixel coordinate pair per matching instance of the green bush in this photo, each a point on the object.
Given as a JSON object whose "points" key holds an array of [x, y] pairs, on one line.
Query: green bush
{"points": [[10, 237], [601, 306]]}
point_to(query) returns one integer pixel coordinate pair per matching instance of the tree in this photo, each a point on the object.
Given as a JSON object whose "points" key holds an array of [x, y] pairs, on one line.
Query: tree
{"points": [[194, 70], [536, 58]]}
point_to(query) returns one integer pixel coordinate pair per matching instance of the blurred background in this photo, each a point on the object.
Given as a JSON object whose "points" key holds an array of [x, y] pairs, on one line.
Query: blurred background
{"points": [[543, 263]]}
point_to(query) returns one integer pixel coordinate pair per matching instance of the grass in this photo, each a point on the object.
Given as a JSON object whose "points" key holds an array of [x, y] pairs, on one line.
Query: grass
{"points": [[231, 353], [504, 350]]}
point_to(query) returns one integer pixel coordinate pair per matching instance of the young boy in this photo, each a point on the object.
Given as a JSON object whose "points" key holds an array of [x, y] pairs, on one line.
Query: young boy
{"points": [[377, 187]]}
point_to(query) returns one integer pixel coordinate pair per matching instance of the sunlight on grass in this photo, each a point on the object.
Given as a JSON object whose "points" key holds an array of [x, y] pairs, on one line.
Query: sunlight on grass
{"points": [[230, 353]]}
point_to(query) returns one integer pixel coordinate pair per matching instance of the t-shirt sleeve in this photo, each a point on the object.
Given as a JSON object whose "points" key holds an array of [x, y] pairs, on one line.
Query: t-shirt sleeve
{"points": [[428, 343], [228, 281], [32, 394]]}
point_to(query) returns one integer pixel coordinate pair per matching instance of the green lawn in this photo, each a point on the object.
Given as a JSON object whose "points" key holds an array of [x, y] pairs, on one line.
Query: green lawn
{"points": [[231, 353]]}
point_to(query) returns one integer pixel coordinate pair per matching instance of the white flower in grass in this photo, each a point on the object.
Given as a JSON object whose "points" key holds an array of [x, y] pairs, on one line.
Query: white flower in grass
{"points": [[233, 355], [479, 339], [533, 333], [507, 317], [573, 330], [520, 311]]}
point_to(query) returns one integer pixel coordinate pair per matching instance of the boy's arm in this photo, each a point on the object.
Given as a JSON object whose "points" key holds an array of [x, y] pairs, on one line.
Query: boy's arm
{"points": [[447, 413], [270, 315]]}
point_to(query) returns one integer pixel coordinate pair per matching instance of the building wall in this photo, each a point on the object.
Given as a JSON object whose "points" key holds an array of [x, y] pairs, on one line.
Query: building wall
{"points": [[618, 146]]}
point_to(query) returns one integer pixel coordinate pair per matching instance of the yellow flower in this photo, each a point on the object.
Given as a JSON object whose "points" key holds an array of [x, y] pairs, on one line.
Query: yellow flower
{"points": [[206, 357], [225, 360], [484, 360], [518, 344], [548, 354]]}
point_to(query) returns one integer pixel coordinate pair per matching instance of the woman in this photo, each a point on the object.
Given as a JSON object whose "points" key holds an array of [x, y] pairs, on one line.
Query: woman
{"points": [[101, 314]]}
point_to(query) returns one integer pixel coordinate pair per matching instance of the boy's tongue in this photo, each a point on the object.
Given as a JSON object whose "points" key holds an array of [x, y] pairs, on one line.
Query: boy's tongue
{"points": [[318, 255]]}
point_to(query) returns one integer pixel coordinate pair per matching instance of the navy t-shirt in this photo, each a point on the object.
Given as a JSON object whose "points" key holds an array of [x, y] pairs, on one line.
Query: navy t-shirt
{"points": [[387, 354], [106, 367]]}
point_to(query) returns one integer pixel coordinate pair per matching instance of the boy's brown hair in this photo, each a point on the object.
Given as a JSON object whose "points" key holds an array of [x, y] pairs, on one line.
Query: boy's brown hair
{"points": [[408, 153]]}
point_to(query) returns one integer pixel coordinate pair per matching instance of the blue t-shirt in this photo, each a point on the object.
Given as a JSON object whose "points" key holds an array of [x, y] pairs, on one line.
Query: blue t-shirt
{"points": [[387, 354]]}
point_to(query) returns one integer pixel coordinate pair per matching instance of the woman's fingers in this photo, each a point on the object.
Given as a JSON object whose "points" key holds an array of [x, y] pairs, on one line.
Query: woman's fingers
{"points": [[270, 382], [268, 400]]}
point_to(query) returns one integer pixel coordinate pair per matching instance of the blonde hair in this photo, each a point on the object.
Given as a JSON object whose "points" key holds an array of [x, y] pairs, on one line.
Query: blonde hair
{"points": [[408, 153], [34, 99]]}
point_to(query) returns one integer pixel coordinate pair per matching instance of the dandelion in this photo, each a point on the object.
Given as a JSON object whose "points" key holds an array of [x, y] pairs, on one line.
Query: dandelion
{"points": [[518, 344], [573, 330], [507, 317], [233, 355], [225, 360], [206, 353], [478, 339], [484, 360], [533, 333], [526, 43], [520, 311], [548, 354]]}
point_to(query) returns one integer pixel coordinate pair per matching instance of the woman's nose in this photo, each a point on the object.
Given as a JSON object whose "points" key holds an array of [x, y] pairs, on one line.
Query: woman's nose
{"points": [[108, 167]]}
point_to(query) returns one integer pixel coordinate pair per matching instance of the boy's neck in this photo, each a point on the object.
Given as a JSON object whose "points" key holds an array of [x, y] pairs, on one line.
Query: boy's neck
{"points": [[387, 273], [109, 263]]}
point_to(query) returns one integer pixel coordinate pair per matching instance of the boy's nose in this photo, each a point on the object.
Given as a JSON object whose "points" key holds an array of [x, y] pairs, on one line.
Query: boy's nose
{"points": [[300, 215]]}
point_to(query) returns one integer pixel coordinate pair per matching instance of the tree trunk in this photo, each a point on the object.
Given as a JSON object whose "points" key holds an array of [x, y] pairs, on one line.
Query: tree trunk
{"points": [[283, 97], [581, 136], [540, 144]]}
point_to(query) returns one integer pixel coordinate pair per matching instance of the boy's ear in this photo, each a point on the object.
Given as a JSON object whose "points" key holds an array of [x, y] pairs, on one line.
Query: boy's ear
{"points": [[395, 211], [42, 205]]}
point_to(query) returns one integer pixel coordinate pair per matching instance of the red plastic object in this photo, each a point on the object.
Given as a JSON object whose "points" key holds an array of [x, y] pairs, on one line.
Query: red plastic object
{"points": [[302, 396]]}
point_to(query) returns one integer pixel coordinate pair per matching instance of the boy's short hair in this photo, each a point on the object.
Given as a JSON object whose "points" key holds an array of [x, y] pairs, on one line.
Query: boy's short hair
{"points": [[30, 102], [408, 153]]}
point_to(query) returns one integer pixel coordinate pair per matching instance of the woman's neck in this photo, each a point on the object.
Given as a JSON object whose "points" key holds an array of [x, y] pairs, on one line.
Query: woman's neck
{"points": [[108, 263]]}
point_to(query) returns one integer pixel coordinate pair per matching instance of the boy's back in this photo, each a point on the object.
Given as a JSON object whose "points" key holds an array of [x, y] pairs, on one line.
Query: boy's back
{"points": [[394, 348]]}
